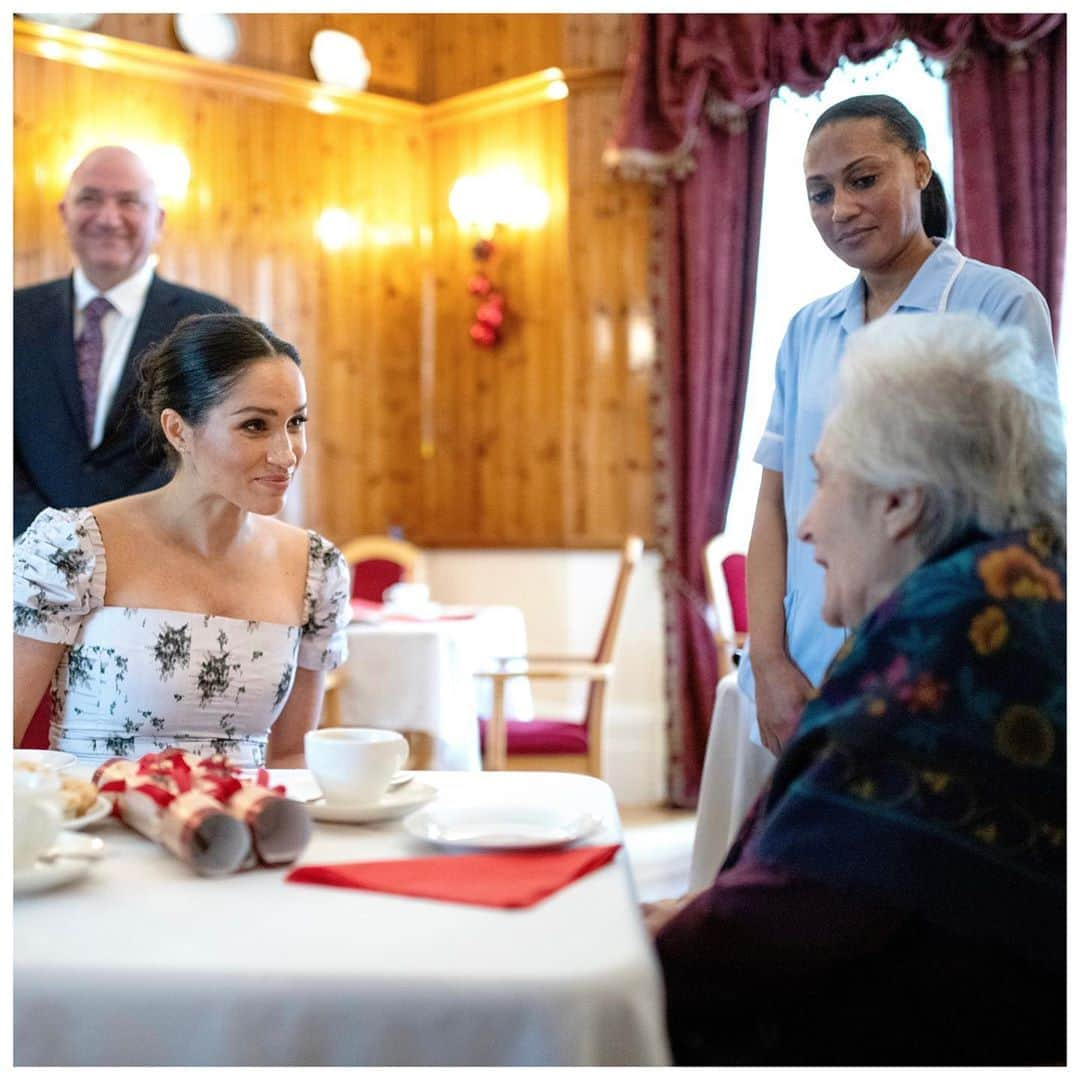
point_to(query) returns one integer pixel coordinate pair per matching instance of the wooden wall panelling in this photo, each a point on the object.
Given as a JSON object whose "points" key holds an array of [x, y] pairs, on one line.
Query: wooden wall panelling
{"points": [[600, 42], [425, 57], [450, 491], [281, 42], [543, 477], [477, 50], [610, 490], [495, 476]]}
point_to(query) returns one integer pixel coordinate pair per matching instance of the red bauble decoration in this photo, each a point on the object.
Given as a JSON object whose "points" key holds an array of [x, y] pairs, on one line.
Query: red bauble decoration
{"points": [[490, 315], [483, 250], [483, 335], [497, 299], [479, 285]]}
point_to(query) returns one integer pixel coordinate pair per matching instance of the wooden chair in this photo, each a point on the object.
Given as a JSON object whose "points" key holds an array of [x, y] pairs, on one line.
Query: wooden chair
{"points": [[377, 562], [725, 576], [331, 710], [562, 745]]}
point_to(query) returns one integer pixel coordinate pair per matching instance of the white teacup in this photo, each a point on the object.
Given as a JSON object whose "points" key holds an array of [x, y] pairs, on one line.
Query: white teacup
{"points": [[38, 814], [354, 765], [407, 595]]}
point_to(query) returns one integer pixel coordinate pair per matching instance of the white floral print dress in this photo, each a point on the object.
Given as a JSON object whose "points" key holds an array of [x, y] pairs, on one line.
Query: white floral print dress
{"points": [[135, 680]]}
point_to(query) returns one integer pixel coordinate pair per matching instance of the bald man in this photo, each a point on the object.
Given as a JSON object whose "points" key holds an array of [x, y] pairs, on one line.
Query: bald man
{"points": [[78, 437]]}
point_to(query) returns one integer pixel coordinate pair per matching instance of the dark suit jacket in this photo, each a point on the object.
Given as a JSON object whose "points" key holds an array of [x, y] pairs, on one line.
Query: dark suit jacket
{"points": [[54, 465]]}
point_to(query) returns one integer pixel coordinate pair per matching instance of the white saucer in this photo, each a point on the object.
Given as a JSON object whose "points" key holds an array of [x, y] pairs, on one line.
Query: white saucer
{"points": [[78, 846], [98, 812], [48, 875], [496, 827], [400, 778], [46, 759], [393, 804]]}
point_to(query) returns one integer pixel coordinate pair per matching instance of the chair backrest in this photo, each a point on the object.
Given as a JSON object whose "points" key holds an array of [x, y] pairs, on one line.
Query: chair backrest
{"points": [[377, 562], [594, 703], [631, 555], [734, 567], [725, 576]]}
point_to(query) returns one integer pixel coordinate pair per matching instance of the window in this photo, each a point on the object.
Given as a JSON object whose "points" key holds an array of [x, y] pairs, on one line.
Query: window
{"points": [[794, 266]]}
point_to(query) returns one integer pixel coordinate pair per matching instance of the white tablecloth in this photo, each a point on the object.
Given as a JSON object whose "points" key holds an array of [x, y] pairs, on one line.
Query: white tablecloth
{"points": [[419, 676], [144, 963], [735, 770]]}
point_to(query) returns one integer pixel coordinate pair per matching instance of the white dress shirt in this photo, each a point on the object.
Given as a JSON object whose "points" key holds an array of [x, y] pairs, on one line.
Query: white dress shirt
{"points": [[117, 328]]}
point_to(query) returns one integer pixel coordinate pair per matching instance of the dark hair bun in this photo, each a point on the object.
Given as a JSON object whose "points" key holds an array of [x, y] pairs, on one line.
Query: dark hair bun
{"points": [[196, 366]]}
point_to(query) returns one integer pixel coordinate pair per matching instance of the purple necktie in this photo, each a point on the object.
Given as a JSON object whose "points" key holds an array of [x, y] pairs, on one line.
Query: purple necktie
{"points": [[89, 348]]}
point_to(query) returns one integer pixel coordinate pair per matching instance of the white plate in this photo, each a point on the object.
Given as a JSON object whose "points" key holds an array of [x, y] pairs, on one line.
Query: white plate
{"points": [[400, 778], [499, 827], [47, 759], [49, 875], [392, 805], [98, 812]]}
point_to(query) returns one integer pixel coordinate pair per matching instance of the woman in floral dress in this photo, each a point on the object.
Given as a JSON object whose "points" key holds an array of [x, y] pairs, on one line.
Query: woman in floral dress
{"points": [[897, 894], [189, 616]]}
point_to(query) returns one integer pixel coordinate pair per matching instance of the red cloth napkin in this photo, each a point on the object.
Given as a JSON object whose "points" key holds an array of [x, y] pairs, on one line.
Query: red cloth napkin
{"points": [[499, 879]]}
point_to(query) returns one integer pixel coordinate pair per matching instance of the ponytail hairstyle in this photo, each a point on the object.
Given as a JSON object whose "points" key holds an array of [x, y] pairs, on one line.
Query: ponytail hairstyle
{"points": [[901, 127]]}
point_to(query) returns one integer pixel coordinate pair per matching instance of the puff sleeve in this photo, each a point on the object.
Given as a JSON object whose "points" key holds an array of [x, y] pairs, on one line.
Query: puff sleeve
{"points": [[59, 564], [322, 643]]}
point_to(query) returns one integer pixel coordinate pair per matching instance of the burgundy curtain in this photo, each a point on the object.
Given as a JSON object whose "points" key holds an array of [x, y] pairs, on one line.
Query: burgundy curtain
{"points": [[1007, 100], [693, 120]]}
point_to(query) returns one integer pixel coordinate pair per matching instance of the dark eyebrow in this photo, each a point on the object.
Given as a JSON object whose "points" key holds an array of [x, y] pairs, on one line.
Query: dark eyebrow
{"points": [[847, 168], [266, 412]]}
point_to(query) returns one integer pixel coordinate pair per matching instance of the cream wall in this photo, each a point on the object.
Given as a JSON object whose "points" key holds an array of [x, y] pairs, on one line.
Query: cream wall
{"points": [[564, 596]]}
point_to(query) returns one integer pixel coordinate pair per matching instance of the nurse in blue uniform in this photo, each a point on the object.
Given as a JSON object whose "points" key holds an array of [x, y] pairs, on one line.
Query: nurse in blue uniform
{"points": [[881, 208]]}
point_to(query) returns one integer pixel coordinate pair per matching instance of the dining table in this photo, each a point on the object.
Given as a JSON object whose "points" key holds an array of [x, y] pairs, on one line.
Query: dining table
{"points": [[142, 962], [415, 673], [735, 771]]}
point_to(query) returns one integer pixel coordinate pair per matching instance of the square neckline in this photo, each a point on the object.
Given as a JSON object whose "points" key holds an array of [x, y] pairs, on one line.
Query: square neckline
{"points": [[180, 611]]}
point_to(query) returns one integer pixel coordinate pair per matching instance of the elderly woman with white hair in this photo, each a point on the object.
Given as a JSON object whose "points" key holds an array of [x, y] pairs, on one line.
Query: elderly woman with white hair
{"points": [[897, 894]]}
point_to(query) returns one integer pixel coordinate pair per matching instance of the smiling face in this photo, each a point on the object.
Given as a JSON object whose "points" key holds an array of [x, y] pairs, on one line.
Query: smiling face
{"points": [[248, 447], [111, 214], [865, 192], [848, 524]]}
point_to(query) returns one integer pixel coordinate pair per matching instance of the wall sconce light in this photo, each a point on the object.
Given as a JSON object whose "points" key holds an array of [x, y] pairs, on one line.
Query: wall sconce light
{"points": [[499, 197], [336, 229], [483, 203]]}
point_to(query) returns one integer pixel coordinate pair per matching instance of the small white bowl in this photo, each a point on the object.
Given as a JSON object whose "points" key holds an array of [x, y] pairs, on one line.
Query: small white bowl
{"points": [[58, 760]]}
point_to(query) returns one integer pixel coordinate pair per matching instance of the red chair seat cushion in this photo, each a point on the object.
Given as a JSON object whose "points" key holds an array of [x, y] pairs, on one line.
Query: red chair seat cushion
{"points": [[372, 577], [542, 737]]}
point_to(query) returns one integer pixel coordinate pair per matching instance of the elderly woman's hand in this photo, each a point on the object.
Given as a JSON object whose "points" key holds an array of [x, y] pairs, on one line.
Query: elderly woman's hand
{"points": [[781, 691], [658, 913]]}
